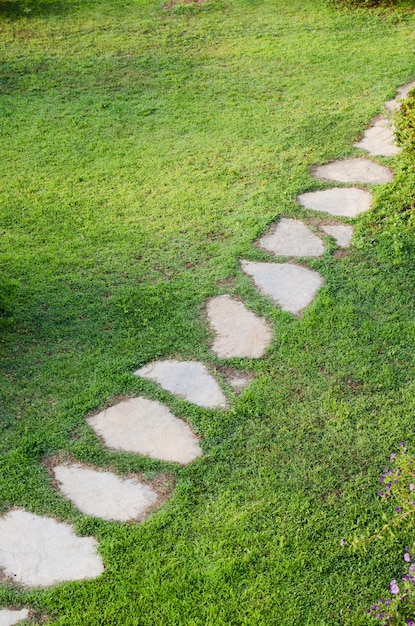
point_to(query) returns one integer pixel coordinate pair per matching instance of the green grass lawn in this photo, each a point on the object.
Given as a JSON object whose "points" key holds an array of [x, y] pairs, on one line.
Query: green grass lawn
{"points": [[144, 149]]}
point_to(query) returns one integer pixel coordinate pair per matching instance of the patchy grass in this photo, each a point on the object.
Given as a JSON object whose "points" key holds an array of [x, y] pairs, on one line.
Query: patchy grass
{"points": [[144, 151]]}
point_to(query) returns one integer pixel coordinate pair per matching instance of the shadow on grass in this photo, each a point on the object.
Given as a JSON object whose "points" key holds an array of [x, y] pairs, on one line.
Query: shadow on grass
{"points": [[25, 9]]}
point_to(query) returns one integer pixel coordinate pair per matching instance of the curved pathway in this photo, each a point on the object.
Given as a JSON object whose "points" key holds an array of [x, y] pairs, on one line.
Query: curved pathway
{"points": [[39, 551]]}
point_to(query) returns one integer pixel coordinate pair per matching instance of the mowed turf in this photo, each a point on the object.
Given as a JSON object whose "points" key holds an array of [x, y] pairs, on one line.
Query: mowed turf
{"points": [[144, 150]]}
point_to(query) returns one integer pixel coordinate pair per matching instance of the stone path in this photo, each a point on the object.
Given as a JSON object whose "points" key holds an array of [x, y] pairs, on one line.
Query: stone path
{"points": [[41, 551], [9, 617], [379, 139], [353, 171], [341, 202], [187, 379], [341, 233], [292, 287], [103, 494], [292, 238], [148, 428], [239, 332]]}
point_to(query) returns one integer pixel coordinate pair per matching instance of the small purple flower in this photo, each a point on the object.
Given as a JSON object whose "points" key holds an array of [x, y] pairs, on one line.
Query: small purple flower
{"points": [[380, 493], [342, 541], [411, 487], [410, 622], [394, 589], [392, 456], [407, 557], [401, 443], [398, 509]]}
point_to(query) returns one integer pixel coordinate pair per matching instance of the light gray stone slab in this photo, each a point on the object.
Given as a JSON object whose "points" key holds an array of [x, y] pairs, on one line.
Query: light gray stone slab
{"points": [[239, 381], [146, 427], [403, 92], [292, 238], [187, 379], [353, 171], [239, 332], [8, 617], [292, 287], [340, 201], [103, 494], [39, 551], [342, 234], [379, 139]]}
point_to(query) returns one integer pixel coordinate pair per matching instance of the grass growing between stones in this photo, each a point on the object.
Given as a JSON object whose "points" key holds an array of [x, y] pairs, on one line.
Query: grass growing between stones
{"points": [[145, 148]]}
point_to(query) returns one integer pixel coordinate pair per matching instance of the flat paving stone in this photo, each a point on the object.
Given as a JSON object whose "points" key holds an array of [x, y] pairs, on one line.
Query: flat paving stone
{"points": [[379, 139], [342, 234], [403, 92], [292, 238], [340, 201], [188, 379], [103, 494], [239, 381], [39, 551], [353, 171], [292, 287], [240, 333], [8, 617], [146, 427]]}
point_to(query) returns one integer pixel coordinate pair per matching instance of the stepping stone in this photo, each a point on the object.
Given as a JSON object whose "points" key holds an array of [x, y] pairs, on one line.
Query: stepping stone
{"points": [[146, 427], [292, 238], [39, 551], [9, 617], [187, 379], [353, 171], [403, 92], [292, 287], [238, 381], [342, 234], [340, 201], [379, 139], [103, 494], [240, 333]]}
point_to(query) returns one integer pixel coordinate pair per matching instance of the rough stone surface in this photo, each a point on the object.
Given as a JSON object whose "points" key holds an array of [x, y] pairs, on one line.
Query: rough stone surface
{"points": [[9, 617], [39, 551], [103, 494], [342, 234], [292, 287], [393, 105], [353, 171], [240, 333], [379, 139], [148, 428], [341, 201], [187, 379], [239, 381], [292, 238]]}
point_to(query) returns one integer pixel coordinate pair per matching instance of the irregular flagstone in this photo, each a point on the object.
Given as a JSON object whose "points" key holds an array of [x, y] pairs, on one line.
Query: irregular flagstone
{"points": [[240, 333], [292, 238], [292, 287], [238, 381], [353, 171], [146, 427], [403, 92], [39, 551], [187, 379], [9, 617], [340, 201], [342, 234], [103, 494], [379, 139]]}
